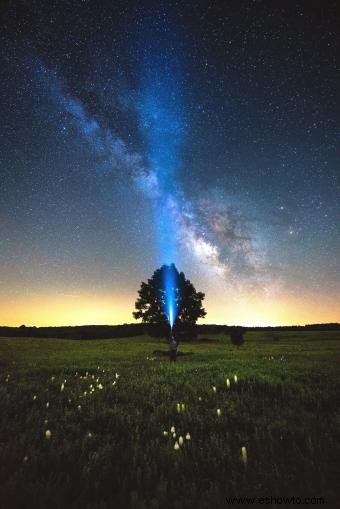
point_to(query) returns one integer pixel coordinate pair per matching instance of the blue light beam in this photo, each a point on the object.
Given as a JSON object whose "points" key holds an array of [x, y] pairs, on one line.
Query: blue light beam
{"points": [[170, 286], [162, 123]]}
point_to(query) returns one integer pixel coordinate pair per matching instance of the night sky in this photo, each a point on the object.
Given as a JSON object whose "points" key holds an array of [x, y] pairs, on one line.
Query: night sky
{"points": [[139, 133]]}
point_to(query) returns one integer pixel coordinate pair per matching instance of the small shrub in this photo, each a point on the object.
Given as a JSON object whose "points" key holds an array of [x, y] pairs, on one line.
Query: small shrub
{"points": [[236, 336]]}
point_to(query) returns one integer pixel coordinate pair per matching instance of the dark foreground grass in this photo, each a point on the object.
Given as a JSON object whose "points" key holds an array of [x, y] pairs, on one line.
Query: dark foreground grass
{"points": [[111, 444]]}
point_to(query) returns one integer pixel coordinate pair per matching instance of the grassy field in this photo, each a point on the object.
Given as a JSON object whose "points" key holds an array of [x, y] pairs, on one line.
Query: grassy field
{"points": [[87, 424]]}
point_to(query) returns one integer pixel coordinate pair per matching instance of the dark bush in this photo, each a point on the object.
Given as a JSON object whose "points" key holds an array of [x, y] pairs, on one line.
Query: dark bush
{"points": [[237, 336]]}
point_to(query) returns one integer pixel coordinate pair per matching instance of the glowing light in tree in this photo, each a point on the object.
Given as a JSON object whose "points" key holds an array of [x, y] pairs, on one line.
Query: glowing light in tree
{"points": [[170, 284]]}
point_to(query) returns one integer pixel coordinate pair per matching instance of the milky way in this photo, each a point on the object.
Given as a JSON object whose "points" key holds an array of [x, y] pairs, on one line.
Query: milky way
{"points": [[137, 135]]}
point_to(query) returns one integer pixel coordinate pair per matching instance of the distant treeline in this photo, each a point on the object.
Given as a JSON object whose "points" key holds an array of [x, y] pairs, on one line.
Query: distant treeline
{"points": [[137, 329], [76, 332], [215, 329]]}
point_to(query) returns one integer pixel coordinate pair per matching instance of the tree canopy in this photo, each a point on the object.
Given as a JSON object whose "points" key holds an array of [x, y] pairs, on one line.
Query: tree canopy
{"points": [[152, 300]]}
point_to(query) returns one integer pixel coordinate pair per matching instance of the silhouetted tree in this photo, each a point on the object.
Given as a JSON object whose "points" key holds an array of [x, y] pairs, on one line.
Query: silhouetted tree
{"points": [[236, 336], [151, 303]]}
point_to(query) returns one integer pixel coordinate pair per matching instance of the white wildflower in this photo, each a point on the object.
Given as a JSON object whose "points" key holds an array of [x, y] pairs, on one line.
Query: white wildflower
{"points": [[176, 446], [180, 440], [187, 436], [48, 434], [244, 455]]}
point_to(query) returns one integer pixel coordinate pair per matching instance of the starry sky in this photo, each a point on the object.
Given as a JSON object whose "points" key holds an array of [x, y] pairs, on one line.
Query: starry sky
{"points": [[137, 133]]}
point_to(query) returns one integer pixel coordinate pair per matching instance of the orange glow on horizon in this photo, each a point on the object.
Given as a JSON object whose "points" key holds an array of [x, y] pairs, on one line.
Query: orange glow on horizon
{"points": [[52, 310]]}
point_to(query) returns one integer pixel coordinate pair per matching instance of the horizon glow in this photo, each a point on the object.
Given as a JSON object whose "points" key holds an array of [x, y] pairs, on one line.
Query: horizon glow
{"points": [[45, 308]]}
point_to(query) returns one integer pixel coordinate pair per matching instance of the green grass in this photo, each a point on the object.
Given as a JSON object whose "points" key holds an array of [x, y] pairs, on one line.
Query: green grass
{"points": [[111, 451]]}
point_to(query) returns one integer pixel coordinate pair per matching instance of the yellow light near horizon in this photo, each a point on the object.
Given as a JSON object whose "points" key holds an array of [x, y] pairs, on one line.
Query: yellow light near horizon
{"points": [[44, 309], [282, 309], [47, 310]]}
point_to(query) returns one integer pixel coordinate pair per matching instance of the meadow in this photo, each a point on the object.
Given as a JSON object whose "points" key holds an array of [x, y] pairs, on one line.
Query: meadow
{"points": [[110, 424]]}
